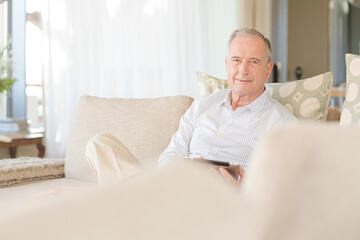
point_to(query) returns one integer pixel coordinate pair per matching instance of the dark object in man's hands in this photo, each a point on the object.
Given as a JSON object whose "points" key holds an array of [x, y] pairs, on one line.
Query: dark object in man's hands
{"points": [[232, 168]]}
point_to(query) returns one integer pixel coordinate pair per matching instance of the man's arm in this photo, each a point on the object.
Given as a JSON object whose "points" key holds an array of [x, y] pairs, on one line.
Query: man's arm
{"points": [[180, 141]]}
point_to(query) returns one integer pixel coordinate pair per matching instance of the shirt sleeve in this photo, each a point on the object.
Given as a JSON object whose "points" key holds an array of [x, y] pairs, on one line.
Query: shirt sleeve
{"points": [[180, 141]]}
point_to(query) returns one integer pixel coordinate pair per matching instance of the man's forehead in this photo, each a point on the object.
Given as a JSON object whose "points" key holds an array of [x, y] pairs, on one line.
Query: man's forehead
{"points": [[255, 45]]}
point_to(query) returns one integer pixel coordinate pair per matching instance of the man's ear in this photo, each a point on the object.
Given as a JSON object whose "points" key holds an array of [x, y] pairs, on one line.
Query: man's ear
{"points": [[270, 66], [226, 64]]}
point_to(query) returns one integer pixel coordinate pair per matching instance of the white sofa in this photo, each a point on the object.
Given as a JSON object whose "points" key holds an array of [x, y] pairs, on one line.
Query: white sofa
{"points": [[144, 125], [302, 184]]}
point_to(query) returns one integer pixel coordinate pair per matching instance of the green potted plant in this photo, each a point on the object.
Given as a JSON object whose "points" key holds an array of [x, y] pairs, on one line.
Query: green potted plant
{"points": [[6, 79]]}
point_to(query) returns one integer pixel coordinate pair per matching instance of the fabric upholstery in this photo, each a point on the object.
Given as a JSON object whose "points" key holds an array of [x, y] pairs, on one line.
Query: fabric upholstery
{"points": [[145, 126], [13, 199], [303, 184], [306, 99], [177, 203], [287, 194], [351, 109]]}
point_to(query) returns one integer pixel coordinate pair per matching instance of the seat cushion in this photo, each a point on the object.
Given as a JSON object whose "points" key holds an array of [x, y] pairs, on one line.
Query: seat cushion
{"points": [[145, 126]]}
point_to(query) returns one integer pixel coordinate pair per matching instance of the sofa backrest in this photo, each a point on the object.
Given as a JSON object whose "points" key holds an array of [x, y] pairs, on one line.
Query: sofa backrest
{"points": [[145, 126]]}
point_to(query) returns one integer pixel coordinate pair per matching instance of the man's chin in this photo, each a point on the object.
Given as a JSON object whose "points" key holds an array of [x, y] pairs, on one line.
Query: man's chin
{"points": [[242, 87]]}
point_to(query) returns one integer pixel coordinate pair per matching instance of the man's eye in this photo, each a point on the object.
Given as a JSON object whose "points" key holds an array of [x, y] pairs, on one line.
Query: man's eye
{"points": [[254, 62], [236, 60]]}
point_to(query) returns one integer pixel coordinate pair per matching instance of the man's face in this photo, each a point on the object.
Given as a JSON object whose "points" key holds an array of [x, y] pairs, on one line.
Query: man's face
{"points": [[246, 67]]}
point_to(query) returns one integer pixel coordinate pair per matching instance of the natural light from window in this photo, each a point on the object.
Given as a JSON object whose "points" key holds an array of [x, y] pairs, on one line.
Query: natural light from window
{"points": [[34, 91], [3, 26]]}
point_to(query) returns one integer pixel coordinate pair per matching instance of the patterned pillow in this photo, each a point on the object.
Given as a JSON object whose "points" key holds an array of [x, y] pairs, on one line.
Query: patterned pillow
{"points": [[351, 109], [306, 99]]}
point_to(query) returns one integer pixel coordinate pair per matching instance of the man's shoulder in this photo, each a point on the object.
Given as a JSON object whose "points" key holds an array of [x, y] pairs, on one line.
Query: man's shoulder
{"points": [[217, 96], [211, 101]]}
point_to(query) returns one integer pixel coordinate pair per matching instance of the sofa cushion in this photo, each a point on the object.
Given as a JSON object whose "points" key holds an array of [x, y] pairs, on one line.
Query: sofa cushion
{"points": [[306, 99], [145, 126], [351, 109]]}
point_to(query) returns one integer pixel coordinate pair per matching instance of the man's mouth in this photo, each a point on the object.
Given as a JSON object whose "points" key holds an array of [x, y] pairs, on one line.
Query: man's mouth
{"points": [[243, 80]]}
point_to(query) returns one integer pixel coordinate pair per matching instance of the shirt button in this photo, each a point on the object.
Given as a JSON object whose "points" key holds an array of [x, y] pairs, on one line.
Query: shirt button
{"points": [[230, 120], [219, 134], [210, 157]]}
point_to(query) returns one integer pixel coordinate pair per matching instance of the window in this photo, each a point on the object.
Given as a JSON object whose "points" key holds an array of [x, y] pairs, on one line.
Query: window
{"points": [[33, 63], [21, 20], [3, 22], [4, 42]]}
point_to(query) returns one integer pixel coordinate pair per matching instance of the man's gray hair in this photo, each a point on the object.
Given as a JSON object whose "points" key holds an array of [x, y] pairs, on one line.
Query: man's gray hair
{"points": [[248, 32]]}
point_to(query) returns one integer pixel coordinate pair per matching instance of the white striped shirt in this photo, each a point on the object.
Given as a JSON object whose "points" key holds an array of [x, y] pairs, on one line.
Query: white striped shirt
{"points": [[213, 130]]}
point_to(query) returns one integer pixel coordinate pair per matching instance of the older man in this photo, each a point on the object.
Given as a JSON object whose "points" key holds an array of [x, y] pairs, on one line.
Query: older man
{"points": [[223, 126], [226, 125]]}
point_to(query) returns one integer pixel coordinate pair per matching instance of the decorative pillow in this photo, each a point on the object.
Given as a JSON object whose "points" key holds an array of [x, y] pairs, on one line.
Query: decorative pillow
{"points": [[306, 99], [209, 84], [351, 109]]}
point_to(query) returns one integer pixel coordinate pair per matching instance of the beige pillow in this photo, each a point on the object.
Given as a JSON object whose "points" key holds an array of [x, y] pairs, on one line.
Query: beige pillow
{"points": [[306, 99], [144, 126], [351, 109]]}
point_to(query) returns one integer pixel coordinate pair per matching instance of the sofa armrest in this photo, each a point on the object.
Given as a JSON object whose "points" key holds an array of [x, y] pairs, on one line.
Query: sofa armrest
{"points": [[28, 169], [303, 183]]}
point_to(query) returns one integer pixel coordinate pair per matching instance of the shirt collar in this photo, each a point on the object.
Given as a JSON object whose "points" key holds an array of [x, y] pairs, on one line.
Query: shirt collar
{"points": [[255, 106], [227, 99]]}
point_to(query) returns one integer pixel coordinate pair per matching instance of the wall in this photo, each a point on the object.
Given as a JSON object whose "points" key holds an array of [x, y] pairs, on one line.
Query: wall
{"points": [[279, 36], [307, 37], [354, 29]]}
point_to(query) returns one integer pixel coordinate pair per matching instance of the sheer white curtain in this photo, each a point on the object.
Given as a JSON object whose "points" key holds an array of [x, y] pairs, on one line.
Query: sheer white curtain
{"points": [[257, 14], [126, 48]]}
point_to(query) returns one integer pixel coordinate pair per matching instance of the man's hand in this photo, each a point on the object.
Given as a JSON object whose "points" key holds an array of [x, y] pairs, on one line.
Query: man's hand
{"points": [[221, 173]]}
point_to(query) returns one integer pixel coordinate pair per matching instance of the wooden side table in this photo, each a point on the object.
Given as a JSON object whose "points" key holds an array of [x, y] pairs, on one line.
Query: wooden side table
{"points": [[336, 92], [26, 138], [340, 94]]}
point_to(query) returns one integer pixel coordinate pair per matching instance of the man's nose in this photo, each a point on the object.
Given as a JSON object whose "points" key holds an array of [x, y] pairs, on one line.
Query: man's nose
{"points": [[243, 67]]}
